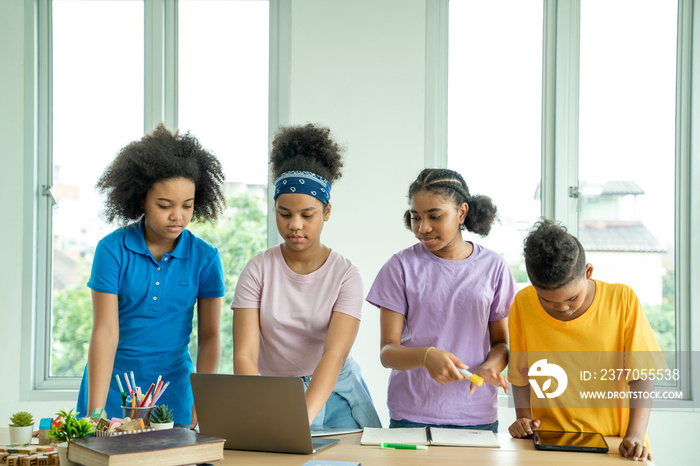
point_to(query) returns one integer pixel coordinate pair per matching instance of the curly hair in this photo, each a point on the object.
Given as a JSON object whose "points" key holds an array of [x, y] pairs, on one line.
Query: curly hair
{"points": [[482, 211], [306, 148], [553, 257], [161, 155]]}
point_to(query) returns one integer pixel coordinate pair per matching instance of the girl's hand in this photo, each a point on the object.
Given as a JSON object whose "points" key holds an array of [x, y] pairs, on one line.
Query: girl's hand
{"points": [[491, 376], [194, 418], [442, 366]]}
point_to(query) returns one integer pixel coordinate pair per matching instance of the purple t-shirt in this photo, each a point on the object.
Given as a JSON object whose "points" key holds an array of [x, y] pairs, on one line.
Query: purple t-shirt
{"points": [[446, 304]]}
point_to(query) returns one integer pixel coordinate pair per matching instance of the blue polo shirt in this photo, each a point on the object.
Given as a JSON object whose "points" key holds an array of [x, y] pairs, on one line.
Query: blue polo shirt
{"points": [[156, 303]]}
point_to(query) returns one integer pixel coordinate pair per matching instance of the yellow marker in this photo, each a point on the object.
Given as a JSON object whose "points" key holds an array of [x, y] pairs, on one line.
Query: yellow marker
{"points": [[472, 377]]}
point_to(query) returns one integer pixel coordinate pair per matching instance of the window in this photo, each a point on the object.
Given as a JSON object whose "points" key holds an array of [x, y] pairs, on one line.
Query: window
{"points": [[494, 113], [223, 95], [614, 161], [99, 103], [626, 159]]}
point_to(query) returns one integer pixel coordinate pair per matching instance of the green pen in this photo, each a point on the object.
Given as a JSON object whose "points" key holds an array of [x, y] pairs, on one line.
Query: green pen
{"points": [[121, 389], [403, 446]]}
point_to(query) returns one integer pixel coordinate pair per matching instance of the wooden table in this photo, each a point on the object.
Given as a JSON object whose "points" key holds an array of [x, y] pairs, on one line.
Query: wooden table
{"points": [[512, 452]]}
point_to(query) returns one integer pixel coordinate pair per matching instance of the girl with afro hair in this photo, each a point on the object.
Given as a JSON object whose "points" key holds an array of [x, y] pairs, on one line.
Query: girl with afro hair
{"points": [[297, 306], [148, 274]]}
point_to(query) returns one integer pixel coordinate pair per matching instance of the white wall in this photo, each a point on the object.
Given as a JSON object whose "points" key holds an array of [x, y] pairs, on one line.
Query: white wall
{"points": [[365, 80], [14, 312], [358, 66], [11, 189]]}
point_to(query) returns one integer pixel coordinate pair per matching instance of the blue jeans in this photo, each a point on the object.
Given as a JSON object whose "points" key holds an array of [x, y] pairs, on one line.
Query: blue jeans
{"points": [[493, 427], [350, 404]]}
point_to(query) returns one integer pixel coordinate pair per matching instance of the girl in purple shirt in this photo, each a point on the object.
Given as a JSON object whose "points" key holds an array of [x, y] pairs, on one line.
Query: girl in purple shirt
{"points": [[444, 306]]}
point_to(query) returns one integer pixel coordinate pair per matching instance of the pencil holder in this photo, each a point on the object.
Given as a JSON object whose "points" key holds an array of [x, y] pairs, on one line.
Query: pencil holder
{"points": [[136, 413]]}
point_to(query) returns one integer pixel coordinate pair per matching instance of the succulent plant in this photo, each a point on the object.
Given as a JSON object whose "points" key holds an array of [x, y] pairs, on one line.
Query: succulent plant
{"points": [[21, 419], [161, 414], [67, 426]]}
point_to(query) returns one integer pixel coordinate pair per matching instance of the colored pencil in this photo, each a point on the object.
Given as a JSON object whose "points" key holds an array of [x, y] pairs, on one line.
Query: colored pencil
{"points": [[148, 393], [160, 393]]}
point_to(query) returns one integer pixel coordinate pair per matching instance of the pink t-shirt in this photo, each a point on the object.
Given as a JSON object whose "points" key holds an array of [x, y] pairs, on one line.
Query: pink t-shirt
{"points": [[295, 310]]}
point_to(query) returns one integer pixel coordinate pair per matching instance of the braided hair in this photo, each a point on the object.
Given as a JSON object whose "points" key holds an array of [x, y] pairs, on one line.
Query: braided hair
{"points": [[449, 183]]}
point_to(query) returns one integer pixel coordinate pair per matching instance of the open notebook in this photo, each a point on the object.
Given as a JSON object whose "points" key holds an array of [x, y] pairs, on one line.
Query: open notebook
{"points": [[430, 436]]}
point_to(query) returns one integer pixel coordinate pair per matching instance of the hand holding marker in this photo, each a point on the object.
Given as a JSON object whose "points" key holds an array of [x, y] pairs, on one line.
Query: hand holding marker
{"points": [[475, 379]]}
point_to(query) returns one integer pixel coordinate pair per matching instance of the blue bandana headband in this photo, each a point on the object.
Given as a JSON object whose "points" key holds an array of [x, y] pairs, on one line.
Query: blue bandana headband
{"points": [[304, 183]]}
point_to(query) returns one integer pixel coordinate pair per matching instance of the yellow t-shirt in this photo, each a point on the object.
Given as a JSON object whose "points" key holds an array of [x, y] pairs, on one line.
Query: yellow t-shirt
{"points": [[602, 350]]}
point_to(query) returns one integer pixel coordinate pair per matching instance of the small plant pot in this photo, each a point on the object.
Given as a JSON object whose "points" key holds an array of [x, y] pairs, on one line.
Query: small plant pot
{"points": [[162, 425], [21, 435]]}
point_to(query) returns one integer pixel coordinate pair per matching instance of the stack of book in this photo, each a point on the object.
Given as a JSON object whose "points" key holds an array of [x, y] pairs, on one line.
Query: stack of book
{"points": [[162, 447]]}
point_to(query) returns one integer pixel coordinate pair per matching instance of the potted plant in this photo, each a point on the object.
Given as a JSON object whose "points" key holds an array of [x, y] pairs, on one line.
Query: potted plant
{"points": [[68, 426], [21, 428], [162, 417]]}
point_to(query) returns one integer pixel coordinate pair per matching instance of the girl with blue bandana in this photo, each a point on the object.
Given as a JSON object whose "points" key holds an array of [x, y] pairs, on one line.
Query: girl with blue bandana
{"points": [[297, 306], [148, 275]]}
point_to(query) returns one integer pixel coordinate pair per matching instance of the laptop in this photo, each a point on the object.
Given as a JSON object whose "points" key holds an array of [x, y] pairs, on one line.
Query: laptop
{"points": [[260, 413]]}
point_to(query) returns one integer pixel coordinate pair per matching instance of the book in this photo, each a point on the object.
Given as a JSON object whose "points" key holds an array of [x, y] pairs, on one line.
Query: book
{"points": [[162, 447], [430, 436]]}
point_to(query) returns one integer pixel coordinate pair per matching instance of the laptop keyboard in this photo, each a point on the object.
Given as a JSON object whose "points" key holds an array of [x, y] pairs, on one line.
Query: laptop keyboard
{"points": [[317, 443]]}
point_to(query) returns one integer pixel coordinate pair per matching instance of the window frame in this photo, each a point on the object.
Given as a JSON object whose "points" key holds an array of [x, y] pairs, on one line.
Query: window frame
{"points": [[160, 104], [560, 173], [436, 65], [687, 218]]}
